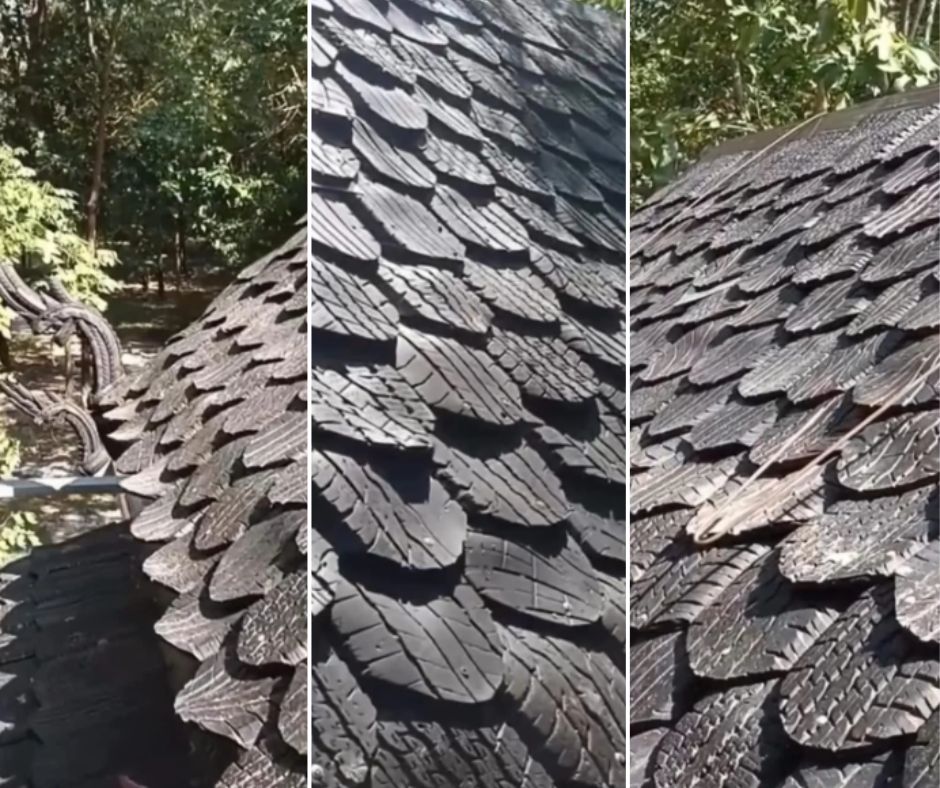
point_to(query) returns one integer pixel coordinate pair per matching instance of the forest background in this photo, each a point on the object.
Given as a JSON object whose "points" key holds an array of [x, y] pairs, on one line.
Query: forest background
{"points": [[703, 71], [149, 149], [142, 140]]}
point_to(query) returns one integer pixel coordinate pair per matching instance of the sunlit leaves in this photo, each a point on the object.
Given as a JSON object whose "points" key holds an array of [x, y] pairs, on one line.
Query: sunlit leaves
{"points": [[18, 531], [614, 6], [38, 225], [870, 57], [754, 64], [859, 10], [206, 119]]}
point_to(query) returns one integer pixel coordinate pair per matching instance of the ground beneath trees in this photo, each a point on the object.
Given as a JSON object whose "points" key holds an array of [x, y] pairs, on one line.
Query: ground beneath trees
{"points": [[143, 322]]}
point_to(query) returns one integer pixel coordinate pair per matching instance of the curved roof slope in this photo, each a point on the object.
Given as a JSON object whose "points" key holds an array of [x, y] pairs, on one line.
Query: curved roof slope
{"points": [[468, 404], [784, 415], [216, 433], [84, 695]]}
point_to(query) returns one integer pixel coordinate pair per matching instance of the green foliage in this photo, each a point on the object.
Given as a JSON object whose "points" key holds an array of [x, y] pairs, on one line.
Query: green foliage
{"points": [[616, 7], [18, 533], [37, 233], [702, 71], [201, 107], [223, 146], [164, 129]]}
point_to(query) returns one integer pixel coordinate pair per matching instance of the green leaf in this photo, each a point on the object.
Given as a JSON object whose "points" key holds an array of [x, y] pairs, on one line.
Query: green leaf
{"points": [[923, 59], [859, 10]]}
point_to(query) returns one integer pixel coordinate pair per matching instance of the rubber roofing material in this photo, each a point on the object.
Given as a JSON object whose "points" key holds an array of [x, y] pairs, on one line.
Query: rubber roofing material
{"points": [[214, 432], [813, 614], [468, 424]]}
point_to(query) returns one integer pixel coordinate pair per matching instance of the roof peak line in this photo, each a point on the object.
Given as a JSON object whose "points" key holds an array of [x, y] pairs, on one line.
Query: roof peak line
{"points": [[837, 120], [732, 172]]}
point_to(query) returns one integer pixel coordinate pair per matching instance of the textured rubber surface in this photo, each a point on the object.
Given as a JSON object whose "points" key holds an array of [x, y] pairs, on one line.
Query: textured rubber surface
{"points": [[83, 692], [215, 430], [468, 402], [779, 310]]}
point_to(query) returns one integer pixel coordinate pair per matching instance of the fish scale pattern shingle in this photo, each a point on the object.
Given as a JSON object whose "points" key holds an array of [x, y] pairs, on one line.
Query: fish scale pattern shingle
{"points": [[784, 413], [468, 404], [213, 435]]}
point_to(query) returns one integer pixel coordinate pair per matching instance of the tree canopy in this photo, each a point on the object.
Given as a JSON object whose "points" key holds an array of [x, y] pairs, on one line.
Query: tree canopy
{"points": [[139, 137], [702, 71], [179, 124], [614, 6], [37, 232]]}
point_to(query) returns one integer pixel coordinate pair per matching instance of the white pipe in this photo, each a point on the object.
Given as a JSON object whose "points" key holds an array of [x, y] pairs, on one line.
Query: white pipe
{"points": [[49, 486]]}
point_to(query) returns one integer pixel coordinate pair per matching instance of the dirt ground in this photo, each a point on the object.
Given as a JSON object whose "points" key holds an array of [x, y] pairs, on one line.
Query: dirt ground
{"points": [[143, 323]]}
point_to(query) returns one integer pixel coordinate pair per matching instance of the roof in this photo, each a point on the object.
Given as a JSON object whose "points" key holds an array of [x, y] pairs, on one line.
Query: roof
{"points": [[783, 443], [84, 698], [468, 393], [214, 433]]}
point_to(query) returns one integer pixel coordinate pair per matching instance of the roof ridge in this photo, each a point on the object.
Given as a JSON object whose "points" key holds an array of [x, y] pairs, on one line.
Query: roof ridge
{"points": [[842, 119]]}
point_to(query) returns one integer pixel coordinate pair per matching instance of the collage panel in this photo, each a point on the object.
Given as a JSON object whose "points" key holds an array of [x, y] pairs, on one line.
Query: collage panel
{"points": [[468, 395], [153, 369], [784, 599], [315, 378]]}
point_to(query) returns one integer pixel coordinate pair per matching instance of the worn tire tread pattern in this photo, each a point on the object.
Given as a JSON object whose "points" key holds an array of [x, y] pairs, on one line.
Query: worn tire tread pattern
{"points": [[784, 484], [468, 465]]}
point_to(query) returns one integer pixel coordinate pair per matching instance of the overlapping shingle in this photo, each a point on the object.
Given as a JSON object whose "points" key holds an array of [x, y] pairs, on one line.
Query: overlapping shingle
{"points": [[224, 484], [786, 310], [469, 474]]}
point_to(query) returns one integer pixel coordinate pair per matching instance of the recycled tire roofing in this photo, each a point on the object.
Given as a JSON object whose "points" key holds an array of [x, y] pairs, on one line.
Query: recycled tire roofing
{"points": [[468, 409], [85, 696], [213, 434], [784, 430]]}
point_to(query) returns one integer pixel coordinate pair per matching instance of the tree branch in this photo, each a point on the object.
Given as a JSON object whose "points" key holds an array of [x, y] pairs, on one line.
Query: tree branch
{"points": [[915, 20], [89, 24], [928, 32]]}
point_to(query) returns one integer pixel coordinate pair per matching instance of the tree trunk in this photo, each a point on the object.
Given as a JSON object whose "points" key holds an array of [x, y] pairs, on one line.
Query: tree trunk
{"points": [[103, 60], [740, 92], [177, 273], [35, 23], [161, 285], [181, 229], [915, 19], [179, 242], [928, 31], [820, 101], [92, 207]]}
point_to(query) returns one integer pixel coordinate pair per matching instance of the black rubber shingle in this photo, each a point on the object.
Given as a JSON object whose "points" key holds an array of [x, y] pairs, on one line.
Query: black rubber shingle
{"points": [[469, 466], [229, 497], [784, 422]]}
